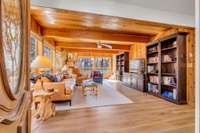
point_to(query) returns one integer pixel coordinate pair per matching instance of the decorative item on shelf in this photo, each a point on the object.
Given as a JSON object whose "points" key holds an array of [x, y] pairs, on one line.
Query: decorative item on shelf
{"points": [[168, 58], [153, 59], [42, 64], [174, 43], [152, 69], [168, 94]]}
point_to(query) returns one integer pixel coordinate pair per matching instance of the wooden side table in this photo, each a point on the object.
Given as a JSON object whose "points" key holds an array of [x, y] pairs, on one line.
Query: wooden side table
{"points": [[46, 108]]}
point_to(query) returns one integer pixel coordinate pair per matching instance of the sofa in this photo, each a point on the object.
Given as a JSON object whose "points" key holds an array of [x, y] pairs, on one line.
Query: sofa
{"points": [[62, 90]]}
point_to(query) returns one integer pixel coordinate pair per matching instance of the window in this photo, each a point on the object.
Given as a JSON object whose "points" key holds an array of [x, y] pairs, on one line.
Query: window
{"points": [[103, 64], [47, 52], [85, 64], [33, 48], [58, 62]]}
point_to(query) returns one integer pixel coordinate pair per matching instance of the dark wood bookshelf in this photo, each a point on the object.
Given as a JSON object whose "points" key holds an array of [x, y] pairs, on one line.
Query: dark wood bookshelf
{"points": [[170, 71], [122, 64]]}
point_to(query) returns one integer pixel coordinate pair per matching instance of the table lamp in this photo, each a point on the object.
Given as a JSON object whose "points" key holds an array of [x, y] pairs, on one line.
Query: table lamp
{"points": [[41, 63]]}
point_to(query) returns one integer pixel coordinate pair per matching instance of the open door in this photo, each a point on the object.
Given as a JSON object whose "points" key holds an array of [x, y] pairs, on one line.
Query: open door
{"points": [[15, 97]]}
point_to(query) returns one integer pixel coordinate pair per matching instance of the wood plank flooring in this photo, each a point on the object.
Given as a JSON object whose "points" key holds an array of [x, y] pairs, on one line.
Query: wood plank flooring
{"points": [[148, 114]]}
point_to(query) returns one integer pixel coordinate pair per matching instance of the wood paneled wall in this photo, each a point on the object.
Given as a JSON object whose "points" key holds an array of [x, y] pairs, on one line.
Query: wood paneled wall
{"points": [[137, 51], [35, 27], [36, 30]]}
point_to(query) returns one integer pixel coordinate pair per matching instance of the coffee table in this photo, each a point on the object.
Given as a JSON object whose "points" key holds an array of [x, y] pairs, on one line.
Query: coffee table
{"points": [[89, 85]]}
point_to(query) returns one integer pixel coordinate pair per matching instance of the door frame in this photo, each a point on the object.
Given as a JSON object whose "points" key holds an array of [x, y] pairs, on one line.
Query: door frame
{"points": [[197, 64], [15, 113]]}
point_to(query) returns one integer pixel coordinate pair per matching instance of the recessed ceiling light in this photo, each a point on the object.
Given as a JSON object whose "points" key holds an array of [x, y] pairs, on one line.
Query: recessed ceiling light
{"points": [[47, 12], [110, 25], [50, 19]]}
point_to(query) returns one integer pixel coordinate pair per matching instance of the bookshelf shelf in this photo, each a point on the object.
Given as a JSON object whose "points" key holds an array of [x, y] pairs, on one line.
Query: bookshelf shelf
{"points": [[169, 53], [151, 53], [169, 85], [168, 62], [168, 49], [152, 73], [152, 63], [154, 83], [168, 74]]}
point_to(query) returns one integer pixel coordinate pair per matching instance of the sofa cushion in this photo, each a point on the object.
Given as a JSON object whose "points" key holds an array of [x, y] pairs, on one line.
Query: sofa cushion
{"points": [[50, 76]]}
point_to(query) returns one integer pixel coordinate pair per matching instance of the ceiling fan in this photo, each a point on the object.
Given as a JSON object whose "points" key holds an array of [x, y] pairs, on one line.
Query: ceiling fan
{"points": [[103, 45]]}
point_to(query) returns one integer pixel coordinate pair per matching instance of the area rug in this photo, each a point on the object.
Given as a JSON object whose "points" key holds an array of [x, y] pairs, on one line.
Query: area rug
{"points": [[108, 95]]}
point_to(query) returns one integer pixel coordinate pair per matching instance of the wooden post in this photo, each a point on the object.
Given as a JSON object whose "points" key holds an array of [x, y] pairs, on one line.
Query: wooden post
{"points": [[197, 69]]}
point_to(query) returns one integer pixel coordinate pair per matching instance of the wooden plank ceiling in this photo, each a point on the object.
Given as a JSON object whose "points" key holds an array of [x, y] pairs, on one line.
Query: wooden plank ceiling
{"points": [[82, 31]]}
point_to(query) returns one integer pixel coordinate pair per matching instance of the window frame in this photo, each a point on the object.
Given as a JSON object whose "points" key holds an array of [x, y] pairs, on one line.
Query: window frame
{"points": [[35, 49], [51, 49]]}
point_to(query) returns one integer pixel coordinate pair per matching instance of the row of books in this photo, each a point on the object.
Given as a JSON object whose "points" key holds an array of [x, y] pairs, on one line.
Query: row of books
{"points": [[153, 88], [167, 80]]}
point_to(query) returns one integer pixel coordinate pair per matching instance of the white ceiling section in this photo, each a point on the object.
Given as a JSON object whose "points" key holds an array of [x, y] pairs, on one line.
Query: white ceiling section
{"points": [[178, 12]]}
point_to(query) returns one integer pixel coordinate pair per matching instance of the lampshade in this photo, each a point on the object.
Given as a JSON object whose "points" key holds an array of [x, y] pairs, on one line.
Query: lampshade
{"points": [[41, 62]]}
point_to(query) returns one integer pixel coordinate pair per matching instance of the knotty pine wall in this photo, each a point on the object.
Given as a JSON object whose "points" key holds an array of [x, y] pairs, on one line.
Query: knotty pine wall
{"points": [[137, 51], [36, 32]]}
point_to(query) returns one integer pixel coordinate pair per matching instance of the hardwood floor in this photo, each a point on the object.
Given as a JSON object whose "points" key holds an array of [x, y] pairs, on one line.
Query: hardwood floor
{"points": [[148, 114]]}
